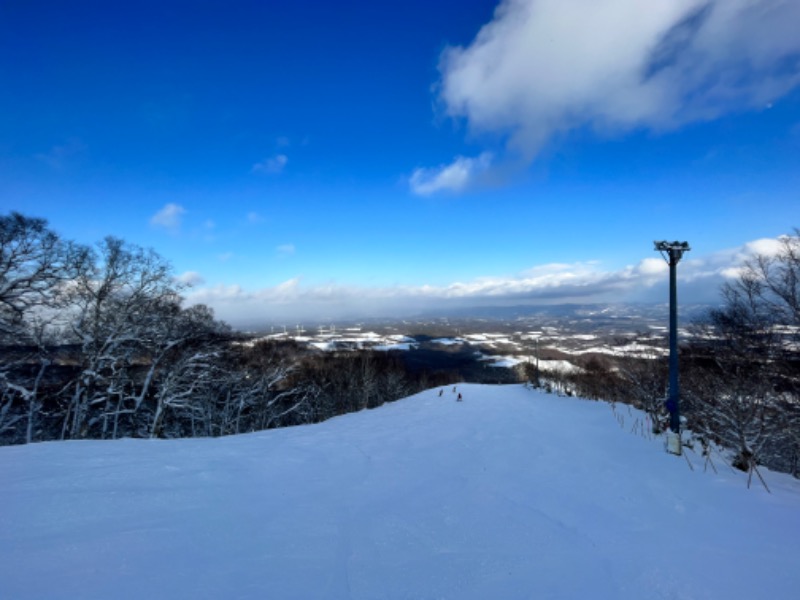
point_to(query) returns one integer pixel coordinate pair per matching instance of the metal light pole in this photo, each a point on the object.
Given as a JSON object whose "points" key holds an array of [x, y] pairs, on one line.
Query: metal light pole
{"points": [[672, 253]]}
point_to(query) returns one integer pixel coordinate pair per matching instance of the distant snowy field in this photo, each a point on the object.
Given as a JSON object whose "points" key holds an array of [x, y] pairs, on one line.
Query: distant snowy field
{"points": [[508, 494]]}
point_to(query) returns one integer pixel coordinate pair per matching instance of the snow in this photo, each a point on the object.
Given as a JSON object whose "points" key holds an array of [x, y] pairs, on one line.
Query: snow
{"points": [[403, 346], [631, 349], [489, 339], [501, 361], [368, 340], [496, 360], [545, 365], [509, 494], [325, 346], [559, 366], [447, 341]]}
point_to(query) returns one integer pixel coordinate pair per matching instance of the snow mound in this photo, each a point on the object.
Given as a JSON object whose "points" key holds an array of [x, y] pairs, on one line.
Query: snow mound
{"points": [[508, 494]]}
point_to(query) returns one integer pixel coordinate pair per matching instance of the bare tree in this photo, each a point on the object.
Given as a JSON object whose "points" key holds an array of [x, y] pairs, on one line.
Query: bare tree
{"points": [[21, 380], [35, 263], [116, 302], [174, 341], [733, 404], [184, 392], [745, 385], [36, 266], [645, 386], [775, 280], [269, 392]]}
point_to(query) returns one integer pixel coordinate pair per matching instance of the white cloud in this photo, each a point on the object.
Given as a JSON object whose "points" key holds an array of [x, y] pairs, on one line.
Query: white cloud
{"points": [[285, 250], [542, 68], [733, 259], [190, 278], [581, 282], [291, 300], [254, 218], [765, 246], [272, 165], [454, 177], [168, 217], [653, 266], [225, 256]]}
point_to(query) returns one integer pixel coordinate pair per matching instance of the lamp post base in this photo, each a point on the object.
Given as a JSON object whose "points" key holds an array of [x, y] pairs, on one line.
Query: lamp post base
{"points": [[674, 442]]}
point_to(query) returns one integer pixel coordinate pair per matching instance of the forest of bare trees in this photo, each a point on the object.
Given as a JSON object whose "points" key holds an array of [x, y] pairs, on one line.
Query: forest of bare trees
{"points": [[743, 381], [96, 343], [740, 368]]}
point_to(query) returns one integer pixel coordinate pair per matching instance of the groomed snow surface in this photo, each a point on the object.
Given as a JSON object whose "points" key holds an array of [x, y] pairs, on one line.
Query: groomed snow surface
{"points": [[508, 494]]}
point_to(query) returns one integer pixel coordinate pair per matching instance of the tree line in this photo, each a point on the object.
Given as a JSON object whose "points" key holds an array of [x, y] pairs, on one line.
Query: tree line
{"points": [[740, 368], [96, 343]]}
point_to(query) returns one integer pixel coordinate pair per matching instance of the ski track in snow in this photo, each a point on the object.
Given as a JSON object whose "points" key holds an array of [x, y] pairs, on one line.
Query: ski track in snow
{"points": [[509, 494]]}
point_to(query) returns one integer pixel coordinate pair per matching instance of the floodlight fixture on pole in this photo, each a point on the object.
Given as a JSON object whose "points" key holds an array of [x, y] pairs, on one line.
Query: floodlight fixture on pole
{"points": [[672, 253]]}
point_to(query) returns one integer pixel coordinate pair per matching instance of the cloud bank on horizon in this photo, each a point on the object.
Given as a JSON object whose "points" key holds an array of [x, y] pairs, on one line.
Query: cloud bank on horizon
{"points": [[544, 68], [584, 282]]}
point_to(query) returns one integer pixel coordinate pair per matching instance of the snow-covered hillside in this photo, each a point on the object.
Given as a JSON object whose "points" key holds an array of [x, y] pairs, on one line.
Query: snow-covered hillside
{"points": [[508, 494]]}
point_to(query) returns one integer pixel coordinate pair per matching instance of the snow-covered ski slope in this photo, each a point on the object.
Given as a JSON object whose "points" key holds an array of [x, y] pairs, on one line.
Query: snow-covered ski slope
{"points": [[508, 494]]}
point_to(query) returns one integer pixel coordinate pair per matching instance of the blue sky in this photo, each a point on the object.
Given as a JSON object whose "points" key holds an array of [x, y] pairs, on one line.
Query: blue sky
{"points": [[309, 160]]}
